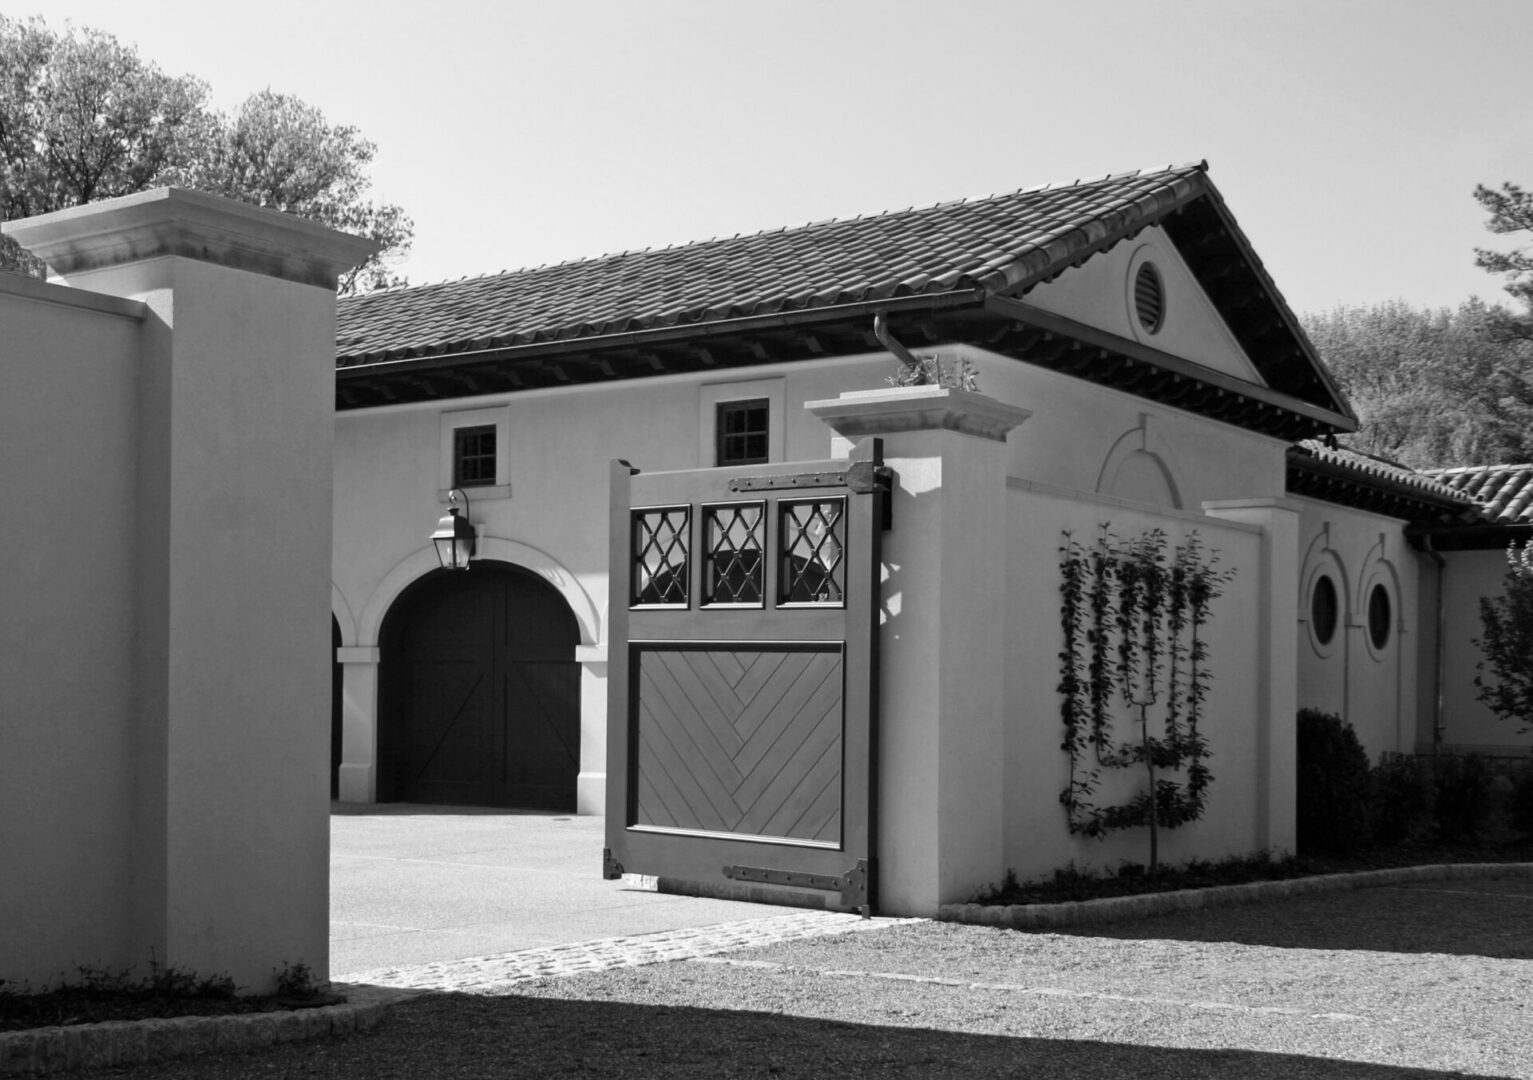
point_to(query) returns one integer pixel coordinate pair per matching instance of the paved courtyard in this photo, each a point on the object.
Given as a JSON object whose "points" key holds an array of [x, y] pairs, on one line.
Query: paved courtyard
{"points": [[414, 886]]}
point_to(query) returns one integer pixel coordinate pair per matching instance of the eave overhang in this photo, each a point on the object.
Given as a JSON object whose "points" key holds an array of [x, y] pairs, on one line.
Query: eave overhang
{"points": [[1487, 536], [1311, 477]]}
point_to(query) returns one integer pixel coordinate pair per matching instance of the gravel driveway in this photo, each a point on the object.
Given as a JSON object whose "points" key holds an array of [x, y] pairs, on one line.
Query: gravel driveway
{"points": [[1406, 981]]}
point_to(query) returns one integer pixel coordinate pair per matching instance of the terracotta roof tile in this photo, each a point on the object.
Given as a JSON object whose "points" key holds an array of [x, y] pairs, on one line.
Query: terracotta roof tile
{"points": [[1372, 467], [1504, 491], [993, 243]]}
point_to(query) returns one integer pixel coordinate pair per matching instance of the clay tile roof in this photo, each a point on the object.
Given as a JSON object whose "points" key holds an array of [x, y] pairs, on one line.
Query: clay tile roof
{"points": [[1505, 492], [990, 244], [1380, 468]]}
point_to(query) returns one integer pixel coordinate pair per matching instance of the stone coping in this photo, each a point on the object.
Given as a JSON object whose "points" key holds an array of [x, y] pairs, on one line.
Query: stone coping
{"points": [[43, 1051], [1125, 908]]}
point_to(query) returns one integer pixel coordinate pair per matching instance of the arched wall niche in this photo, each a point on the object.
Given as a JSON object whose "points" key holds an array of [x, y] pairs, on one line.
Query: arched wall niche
{"points": [[1141, 467]]}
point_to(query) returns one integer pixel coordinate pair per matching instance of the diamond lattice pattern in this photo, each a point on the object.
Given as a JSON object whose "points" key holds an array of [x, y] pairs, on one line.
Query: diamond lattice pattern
{"points": [[734, 565], [742, 742], [660, 555], [813, 570]]}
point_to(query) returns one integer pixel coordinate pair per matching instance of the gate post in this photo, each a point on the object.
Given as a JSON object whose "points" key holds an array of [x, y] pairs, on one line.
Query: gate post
{"points": [[940, 729]]}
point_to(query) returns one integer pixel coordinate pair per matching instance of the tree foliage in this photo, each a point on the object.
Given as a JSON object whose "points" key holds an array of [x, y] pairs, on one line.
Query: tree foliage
{"points": [[83, 117], [1507, 643], [1511, 211], [1431, 387]]}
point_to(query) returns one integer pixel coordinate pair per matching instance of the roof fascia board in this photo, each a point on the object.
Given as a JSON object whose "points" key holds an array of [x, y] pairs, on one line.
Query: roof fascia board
{"points": [[803, 317], [1102, 339], [1290, 321]]}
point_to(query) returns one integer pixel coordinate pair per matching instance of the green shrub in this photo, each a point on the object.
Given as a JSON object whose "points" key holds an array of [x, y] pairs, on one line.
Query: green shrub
{"points": [[1463, 804], [1401, 798], [1333, 788]]}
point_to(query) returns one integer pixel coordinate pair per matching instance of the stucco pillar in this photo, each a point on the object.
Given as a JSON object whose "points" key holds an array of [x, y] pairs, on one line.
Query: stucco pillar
{"points": [[940, 733], [1278, 674], [230, 830], [359, 729], [591, 782]]}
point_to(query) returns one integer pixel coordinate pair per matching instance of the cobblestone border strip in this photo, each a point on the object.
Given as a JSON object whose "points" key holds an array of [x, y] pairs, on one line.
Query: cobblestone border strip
{"points": [[1125, 908], [42, 1051], [494, 974]]}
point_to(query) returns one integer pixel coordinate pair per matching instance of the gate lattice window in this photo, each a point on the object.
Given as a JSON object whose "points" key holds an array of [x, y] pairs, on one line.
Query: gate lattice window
{"points": [[660, 555], [734, 558], [813, 569]]}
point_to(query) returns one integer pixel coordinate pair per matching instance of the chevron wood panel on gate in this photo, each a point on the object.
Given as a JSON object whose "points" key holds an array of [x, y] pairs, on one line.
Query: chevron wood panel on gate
{"points": [[743, 740]]}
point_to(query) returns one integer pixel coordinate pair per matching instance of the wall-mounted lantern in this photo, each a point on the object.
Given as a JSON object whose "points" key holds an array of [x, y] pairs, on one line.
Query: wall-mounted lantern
{"points": [[454, 536]]}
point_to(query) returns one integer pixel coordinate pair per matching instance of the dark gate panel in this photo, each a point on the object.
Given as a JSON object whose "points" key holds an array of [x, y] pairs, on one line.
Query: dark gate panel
{"points": [[742, 680], [482, 693], [742, 742]]}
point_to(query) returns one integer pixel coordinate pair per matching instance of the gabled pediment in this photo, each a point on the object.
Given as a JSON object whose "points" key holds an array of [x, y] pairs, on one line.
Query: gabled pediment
{"points": [[1111, 293]]}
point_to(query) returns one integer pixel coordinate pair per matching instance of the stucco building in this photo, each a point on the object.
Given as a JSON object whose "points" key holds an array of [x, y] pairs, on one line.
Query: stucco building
{"points": [[1156, 380]]}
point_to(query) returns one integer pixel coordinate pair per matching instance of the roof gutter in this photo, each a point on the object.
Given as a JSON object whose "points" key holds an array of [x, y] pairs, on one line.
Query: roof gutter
{"points": [[803, 317]]}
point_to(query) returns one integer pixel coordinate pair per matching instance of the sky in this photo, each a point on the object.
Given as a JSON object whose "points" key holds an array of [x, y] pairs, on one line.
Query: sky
{"points": [[1346, 136]]}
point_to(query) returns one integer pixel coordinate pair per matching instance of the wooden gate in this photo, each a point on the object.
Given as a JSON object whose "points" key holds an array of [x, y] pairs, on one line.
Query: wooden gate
{"points": [[742, 680]]}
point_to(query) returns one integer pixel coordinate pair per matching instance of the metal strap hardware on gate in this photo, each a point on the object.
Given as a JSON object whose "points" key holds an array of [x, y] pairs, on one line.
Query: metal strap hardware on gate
{"points": [[861, 478], [852, 885]]}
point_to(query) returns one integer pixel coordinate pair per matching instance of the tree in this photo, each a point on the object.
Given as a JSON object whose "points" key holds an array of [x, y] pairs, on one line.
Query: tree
{"points": [[1511, 211], [1507, 622], [1431, 387], [83, 117]]}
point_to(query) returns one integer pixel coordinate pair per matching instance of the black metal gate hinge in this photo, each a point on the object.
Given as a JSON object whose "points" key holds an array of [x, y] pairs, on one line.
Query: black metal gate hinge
{"points": [[852, 884], [860, 478]]}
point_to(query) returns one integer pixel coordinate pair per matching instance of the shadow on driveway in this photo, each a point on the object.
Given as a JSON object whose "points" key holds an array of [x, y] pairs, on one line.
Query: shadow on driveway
{"points": [[450, 1035], [1491, 918]]}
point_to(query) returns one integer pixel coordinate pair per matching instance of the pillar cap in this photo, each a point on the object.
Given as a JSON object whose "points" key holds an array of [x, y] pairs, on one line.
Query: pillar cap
{"points": [[859, 413], [193, 225]]}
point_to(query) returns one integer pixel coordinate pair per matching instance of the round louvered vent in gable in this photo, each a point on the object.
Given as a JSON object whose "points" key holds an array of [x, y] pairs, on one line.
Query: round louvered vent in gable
{"points": [[1149, 298]]}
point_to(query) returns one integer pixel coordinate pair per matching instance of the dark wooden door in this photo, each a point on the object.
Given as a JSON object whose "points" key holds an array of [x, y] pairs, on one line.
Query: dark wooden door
{"points": [[742, 673], [483, 692]]}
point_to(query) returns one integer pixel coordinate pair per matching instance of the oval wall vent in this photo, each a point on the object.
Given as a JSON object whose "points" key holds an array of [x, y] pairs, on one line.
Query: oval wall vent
{"points": [[1149, 298]]}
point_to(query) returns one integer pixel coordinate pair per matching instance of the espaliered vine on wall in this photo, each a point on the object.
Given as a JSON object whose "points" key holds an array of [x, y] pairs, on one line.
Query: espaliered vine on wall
{"points": [[1133, 613]]}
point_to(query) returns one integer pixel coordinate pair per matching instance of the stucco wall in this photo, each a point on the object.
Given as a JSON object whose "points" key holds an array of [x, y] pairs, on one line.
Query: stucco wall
{"points": [[167, 422], [1037, 839], [68, 417], [1467, 723], [551, 504], [1372, 688]]}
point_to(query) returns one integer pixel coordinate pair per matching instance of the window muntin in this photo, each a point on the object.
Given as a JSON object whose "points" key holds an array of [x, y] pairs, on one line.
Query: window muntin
{"points": [[661, 557], [734, 555], [812, 556], [741, 432], [1324, 609], [473, 456]]}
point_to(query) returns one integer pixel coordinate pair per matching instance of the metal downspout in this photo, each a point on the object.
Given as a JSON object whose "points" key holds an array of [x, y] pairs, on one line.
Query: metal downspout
{"points": [[887, 340], [1442, 643]]}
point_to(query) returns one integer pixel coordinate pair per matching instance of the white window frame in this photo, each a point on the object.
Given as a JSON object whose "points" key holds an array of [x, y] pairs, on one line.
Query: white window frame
{"points": [[500, 417], [712, 395]]}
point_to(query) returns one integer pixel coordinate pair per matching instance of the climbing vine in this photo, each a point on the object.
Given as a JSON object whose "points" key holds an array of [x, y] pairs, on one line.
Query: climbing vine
{"points": [[1133, 613]]}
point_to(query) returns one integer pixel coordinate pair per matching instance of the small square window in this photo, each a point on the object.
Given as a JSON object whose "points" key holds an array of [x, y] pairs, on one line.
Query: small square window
{"points": [[741, 432], [473, 456]]}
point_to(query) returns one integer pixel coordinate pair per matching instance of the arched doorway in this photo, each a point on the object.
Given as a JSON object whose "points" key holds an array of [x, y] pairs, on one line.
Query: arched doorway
{"points": [[481, 692]]}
